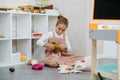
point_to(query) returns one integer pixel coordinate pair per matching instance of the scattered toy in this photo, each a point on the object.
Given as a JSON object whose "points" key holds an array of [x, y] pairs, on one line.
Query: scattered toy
{"points": [[11, 69]]}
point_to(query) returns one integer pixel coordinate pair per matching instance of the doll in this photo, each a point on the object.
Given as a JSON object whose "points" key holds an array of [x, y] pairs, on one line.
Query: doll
{"points": [[56, 50]]}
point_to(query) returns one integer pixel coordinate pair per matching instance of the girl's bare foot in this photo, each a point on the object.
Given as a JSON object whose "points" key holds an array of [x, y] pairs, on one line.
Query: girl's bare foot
{"points": [[29, 62], [39, 60]]}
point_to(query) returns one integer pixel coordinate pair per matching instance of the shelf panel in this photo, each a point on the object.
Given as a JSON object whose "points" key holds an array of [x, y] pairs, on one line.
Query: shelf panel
{"points": [[19, 38], [5, 39], [110, 35], [35, 37]]}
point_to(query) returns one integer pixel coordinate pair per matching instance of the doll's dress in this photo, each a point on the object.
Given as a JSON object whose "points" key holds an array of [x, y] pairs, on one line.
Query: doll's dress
{"points": [[63, 58]]}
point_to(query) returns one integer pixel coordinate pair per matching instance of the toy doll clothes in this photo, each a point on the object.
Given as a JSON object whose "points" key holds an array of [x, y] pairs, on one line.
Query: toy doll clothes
{"points": [[63, 58]]}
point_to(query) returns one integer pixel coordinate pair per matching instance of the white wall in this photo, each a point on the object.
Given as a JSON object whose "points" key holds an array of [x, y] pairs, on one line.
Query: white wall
{"points": [[77, 11], [13, 3]]}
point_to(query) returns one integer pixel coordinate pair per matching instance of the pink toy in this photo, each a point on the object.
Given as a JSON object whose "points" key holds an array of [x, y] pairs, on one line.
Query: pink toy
{"points": [[37, 66]]}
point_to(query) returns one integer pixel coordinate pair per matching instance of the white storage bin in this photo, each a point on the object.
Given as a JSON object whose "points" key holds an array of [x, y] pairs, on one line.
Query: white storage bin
{"points": [[15, 58]]}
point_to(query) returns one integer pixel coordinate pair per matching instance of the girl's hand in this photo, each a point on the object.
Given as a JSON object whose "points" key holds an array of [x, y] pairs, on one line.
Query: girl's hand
{"points": [[62, 47], [49, 46]]}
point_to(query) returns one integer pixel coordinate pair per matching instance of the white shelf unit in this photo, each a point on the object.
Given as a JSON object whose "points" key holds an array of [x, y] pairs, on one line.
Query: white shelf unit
{"points": [[39, 25], [17, 29], [5, 50], [5, 25], [42, 24]]}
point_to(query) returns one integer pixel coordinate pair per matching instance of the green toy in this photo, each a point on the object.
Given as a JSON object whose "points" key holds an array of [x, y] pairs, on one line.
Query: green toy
{"points": [[56, 50]]}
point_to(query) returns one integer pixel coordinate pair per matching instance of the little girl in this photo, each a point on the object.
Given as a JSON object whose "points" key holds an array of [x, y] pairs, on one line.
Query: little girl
{"points": [[60, 37]]}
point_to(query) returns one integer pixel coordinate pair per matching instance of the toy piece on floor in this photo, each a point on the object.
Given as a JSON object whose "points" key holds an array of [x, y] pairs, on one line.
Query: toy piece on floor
{"points": [[79, 65], [11, 69], [56, 50], [64, 69], [67, 69], [38, 66], [75, 71], [34, 62]]}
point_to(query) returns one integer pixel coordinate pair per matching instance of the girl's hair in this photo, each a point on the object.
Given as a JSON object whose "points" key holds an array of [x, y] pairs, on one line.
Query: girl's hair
{"points": [[62, 20]]}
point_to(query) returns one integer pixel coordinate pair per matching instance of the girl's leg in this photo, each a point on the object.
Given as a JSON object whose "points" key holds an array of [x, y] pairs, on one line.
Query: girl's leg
{"points": [[51, 64]]}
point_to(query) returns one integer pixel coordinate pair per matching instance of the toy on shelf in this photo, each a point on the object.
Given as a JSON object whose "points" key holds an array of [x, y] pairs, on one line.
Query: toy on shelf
{"points": [[107, 27], [5, 8], [23, 57], [36, 34]]}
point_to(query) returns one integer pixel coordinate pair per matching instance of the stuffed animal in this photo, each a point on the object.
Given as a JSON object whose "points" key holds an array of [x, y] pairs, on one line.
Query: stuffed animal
{"points": [[56, 50], [86, 65]]}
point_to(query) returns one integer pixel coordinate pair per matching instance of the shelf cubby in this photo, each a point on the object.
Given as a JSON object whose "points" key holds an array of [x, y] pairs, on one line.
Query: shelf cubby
{"points": [[5, 49], [39, 24], [5, 25], [16, 37], [21, 25]]}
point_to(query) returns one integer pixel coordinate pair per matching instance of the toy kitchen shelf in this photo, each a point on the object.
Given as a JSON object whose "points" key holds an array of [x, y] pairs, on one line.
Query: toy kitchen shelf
{"points": [[16, 40], [110, 35]]}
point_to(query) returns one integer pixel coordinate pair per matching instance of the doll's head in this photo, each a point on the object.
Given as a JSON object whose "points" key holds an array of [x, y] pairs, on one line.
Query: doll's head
{"points": [[56, 50], [61, 25]]}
